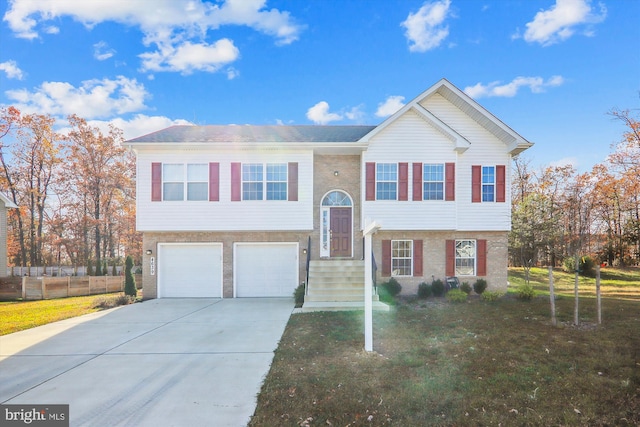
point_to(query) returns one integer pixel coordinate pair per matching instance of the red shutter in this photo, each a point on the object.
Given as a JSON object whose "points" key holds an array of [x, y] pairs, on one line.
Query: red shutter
{"points": [[236, 182], [386, 258], [156, 182], [417, 181], [476, 184], [370, 181], [403, 181], [450, 269], [481, 257], [417, 258], [293, 182], [214, 182], [449, 182], [500, 183]]}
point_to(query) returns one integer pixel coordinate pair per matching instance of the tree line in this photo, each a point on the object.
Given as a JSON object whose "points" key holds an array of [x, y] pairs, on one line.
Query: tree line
{"points": [[75, 192], [559, 213]]}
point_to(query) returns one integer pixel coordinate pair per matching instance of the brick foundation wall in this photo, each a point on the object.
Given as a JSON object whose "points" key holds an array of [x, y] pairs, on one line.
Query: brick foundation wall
{"points": [[434, 258]]}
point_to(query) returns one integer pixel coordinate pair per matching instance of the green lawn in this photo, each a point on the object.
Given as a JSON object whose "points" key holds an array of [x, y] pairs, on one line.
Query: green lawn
{"points": [[20, 315], [474, 363]]}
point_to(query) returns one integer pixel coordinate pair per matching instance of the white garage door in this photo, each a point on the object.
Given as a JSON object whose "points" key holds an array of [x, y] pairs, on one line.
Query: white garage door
{"points": [[265, 270], [190, 270]]}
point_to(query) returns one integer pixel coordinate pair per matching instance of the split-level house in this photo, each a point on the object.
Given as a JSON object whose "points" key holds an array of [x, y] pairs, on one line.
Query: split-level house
{"points": [[254, 211]]}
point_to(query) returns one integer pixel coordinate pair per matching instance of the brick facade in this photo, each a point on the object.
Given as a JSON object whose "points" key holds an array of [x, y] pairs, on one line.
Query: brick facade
{"points": [[434, 257]]}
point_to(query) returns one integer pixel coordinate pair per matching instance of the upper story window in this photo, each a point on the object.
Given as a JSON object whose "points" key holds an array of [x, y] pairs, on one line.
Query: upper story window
{"points": [[386, 181], [179, 180], [433, 181], [255, 181], [488, 183], [401, 257]]}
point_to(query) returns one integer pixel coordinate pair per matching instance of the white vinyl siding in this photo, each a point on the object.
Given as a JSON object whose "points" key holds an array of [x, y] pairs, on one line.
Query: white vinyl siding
{"points": [[225, 215], [410, 139]]}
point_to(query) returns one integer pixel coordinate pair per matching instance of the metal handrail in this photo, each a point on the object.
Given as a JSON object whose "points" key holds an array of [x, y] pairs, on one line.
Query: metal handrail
{"points": [[306, 283]]}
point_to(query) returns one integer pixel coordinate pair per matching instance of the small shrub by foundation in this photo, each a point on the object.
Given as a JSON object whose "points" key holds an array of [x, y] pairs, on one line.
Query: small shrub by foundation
{"points": [[466, 288], [480, 286], [424, 290], [437, 287], [491, 295], [456, 295], [298, 295], [525, 292]]}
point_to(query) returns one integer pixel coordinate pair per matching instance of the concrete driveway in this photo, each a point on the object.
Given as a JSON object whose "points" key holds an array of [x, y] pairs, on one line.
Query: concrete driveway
{"points": [[167, 362]]}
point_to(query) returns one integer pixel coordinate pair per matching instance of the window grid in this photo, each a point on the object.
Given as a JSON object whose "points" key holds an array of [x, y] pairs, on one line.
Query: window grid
{"points": [[255, 181], [401, 257], [433, 182], [488, 183], [465, 257], [197, 181], [172, 182], [276, 181], [386, 181]]}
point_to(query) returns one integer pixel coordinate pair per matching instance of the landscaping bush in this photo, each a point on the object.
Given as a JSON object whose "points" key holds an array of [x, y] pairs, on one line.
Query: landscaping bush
{"points": [[437, 288], [129, 279], [298, 295], [392, 287], [586, 266], [424, 290], [466, 288], [480, 286], [456, 295], [491, 295], [525, 292], [105, 302]]}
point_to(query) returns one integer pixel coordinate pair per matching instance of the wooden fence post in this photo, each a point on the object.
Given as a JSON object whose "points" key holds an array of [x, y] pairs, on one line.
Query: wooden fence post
{"points": [[552, 298], [598, 297]]}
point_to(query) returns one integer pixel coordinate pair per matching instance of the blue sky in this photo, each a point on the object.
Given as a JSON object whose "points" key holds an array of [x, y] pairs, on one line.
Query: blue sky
{"points": [[550, 69]]}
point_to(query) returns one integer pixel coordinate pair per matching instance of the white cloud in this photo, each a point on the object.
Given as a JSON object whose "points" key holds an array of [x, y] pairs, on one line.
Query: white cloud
{"points": [[562, 21], [189, 57], [12, 70], [102, 51], [425, 29], [535, 84], [139, 125], [177, 28], [390, 106], [319, 114], [566, 161], [93, 99]]}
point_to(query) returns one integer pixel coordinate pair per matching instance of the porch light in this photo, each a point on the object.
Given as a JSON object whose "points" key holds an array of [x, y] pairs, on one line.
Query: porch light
{"points": [[335, 173], [149, 252]]}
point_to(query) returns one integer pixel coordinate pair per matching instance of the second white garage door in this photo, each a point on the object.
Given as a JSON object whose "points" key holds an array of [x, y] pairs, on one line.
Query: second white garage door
{"points": [[265, 269], [190, 270]]}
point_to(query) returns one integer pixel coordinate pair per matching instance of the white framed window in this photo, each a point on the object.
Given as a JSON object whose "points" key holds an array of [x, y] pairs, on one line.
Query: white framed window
{"points": [[488, 183], [402, 257], [255, 181], [386, 181], [433, 181], [465, 257], [197, 181], [180, 180]]}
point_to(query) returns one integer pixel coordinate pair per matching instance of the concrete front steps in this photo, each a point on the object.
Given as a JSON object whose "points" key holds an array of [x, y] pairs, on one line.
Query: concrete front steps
{"points": [[335, 285]]}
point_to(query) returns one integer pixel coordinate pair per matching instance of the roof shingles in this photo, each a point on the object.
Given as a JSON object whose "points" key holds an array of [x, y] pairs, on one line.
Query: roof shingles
{"points": [[249, 134]]}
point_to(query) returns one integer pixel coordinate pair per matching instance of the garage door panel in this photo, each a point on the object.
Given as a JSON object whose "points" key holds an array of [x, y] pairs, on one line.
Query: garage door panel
{"points": [[266, 270], [190, 271]]}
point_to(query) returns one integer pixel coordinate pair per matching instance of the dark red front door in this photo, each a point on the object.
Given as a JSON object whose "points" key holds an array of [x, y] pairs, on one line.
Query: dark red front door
{"points": [[340, 232]]}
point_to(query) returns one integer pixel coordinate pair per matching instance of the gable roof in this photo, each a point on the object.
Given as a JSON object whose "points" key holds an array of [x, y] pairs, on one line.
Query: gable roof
{"points": [[255, 134], [7, 201], [515, 142]]}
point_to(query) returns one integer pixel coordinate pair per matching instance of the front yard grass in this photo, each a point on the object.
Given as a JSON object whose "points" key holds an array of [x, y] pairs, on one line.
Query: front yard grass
{"points": [[477, 363], [20, 315]]}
